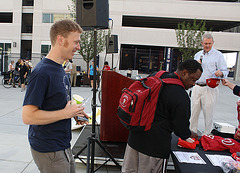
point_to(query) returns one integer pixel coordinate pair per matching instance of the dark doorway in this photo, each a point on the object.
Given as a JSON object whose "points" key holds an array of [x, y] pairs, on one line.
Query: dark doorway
{"points": [[26, 49]]}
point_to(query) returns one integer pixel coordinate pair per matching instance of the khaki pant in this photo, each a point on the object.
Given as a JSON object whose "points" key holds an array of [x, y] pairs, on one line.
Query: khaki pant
{"points": [[136, 162], [203, 98], [54, 162], [73, 79]]}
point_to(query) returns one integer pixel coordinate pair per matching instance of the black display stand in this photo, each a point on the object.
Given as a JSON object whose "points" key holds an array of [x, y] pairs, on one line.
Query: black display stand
{"points": [[116, 149], [92, 140]]}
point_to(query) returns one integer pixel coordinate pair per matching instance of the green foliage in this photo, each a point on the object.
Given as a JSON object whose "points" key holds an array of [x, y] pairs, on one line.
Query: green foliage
{"points": [[72, 9], [87, 44], [87, 39], [189, 37]]}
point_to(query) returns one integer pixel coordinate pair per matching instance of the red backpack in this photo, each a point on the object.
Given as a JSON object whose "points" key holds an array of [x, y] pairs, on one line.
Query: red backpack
{"points": [[138, 103]]}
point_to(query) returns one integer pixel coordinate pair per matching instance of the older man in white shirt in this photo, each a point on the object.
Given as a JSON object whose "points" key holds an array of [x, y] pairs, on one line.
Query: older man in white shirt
{"points": [[203, 97]]}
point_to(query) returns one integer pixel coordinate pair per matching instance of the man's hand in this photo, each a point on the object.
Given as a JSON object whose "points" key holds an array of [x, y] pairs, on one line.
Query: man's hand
{"points": [[190, 140], [199, 61], [219, 73], [74, 110]]}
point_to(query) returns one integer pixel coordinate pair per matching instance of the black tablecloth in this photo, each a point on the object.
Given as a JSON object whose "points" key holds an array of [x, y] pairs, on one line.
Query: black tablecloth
{"points": [[195, 168], [116, 149]]}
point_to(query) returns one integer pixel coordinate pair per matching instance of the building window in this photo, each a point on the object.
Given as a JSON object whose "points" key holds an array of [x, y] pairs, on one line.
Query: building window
{"points": [[45, 49], [6, 17], [27, 22], [5, 47], [28, 2], [5, 51], [47, 18], [53, 17], [8, 48], [145, 59]]}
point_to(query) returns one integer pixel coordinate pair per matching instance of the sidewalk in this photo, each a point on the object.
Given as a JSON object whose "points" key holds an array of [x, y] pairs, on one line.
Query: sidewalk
{"points": [[15, 156]]}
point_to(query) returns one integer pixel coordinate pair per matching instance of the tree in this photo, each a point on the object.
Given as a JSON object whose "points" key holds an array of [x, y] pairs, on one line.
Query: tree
{"points": [[87, 39], [189, 37]]}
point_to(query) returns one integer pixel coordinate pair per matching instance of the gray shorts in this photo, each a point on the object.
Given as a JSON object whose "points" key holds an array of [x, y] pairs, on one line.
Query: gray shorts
{"points": [[136, 162], [54, 162]]}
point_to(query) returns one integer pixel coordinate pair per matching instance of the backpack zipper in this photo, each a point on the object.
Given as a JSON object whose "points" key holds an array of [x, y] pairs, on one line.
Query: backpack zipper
{"points": [[132, 106]]}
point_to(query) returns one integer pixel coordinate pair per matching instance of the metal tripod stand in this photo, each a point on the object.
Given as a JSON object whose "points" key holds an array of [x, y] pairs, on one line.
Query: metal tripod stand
{"points": [[92, 139]]}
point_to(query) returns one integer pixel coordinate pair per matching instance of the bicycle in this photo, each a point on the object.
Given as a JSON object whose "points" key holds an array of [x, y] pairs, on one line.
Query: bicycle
{"points": [[7, 81]]}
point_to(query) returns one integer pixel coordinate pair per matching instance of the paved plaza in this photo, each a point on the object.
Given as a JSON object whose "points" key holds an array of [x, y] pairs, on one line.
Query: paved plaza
{"points": [[15, 156]]}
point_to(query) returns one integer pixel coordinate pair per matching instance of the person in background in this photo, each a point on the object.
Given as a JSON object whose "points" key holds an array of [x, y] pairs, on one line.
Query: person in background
{"points": [[106, 66], [148, 151], [73, 74], [29, 68], [16, 73], [11, 70], [91, 72], [23, 75], [203, 97], [232, 86], [11, 66], [29, 63], [68, 68], [47, 104], [236, 91]]}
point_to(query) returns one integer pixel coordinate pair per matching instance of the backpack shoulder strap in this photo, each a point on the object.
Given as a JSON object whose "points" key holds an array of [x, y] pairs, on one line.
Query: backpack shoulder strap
{"points": [[160, 73], [173, 81], [169, 80]]}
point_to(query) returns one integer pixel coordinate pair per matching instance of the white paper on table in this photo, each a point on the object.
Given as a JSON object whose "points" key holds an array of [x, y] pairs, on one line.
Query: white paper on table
{"points": [[217, 159], [189, 157]]}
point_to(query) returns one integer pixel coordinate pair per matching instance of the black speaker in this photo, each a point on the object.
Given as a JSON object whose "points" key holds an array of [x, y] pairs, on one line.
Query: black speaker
{"points": [[92, 13], [112, 44]]}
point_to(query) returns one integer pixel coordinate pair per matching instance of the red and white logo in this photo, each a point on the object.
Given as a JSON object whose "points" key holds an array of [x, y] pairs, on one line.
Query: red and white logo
{"points": [[210, 136], [125, 99], [227, 141]]}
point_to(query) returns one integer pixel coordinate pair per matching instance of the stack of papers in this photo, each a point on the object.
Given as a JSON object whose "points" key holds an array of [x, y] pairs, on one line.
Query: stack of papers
{"points": [[193, 157], [217, 159], [189, 157]]}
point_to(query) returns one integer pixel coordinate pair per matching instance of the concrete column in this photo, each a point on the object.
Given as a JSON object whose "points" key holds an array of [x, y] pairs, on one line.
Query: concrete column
{"points": [[237, 68]]}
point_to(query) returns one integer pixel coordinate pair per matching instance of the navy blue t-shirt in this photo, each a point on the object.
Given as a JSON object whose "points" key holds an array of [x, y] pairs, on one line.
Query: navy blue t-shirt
{"points": [[50, 90]]}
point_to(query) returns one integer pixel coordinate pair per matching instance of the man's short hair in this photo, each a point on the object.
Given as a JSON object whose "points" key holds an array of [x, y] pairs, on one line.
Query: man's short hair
{"points": [[190, 65], [105, 63], [207, 35], [63, 28]]}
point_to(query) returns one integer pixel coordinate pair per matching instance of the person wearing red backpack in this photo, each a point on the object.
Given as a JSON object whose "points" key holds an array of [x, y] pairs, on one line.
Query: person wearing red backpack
{"points": [[148, 151]]}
